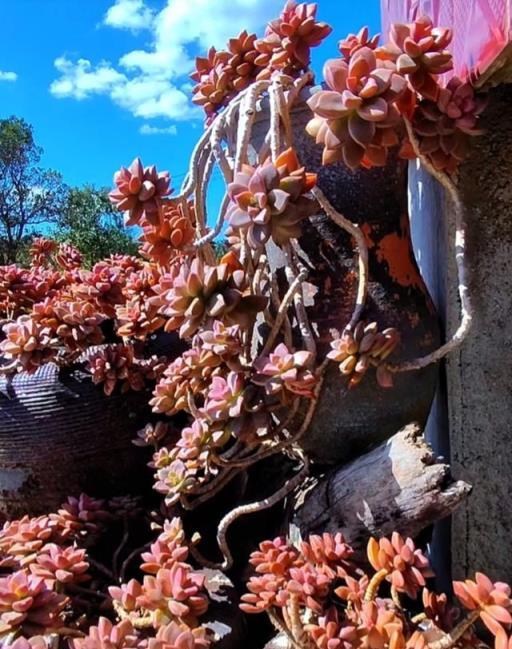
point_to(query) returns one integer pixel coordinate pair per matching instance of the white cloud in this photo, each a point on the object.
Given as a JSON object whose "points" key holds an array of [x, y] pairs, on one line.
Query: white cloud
{"points": [[129, 14], [147, 129], [153, 82], [8, 76], [80, 80]]}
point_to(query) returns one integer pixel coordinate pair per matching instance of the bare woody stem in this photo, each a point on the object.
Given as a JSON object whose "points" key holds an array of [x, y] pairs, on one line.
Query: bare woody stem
{"points": [[244, 510], [456, 634], [374, 585], [460, 257]]}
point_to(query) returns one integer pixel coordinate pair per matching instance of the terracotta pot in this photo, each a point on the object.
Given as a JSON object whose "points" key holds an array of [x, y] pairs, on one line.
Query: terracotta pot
{"points": [[348, 421], [60, 435]]}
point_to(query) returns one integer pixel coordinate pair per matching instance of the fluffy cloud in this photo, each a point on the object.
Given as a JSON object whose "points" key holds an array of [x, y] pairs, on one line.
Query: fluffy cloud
{"points": [[8, 76], [153, 82], [129, 14], [147, 129], [81, 80]]}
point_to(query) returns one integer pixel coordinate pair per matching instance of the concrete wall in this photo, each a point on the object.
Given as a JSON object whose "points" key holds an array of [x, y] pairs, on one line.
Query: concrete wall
{"points": [[478, 388]]}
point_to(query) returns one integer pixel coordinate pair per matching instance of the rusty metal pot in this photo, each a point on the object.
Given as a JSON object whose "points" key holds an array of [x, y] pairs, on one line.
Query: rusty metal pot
{"points": [[347, 421]]}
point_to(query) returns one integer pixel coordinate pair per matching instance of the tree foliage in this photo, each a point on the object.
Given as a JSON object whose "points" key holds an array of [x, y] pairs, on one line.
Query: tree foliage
{"points": [[90, 223], [29, 195]]}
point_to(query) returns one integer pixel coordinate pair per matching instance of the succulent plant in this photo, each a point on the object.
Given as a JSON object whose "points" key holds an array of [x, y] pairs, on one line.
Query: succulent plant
{"points": [[41, 251], [379, 627], [285, 371], [288, 39], [21, 540], [26, 601], [225, 397], [189, 373], [356, 119], [103, 286], [270, 201], [419, 51], [169, 548], [79, 518], [74, 323], [115, 364], [354, 42], [272, 563], [329, 633], [127, 595], [366, 346], [28, 343], [175, 592], [225, 342], [35, 642], [138, 318], [353, 590], [491, 599], [172, 478], [179, 636], [107, 635], [406, 566], [330, 553], [444, 128], [68, 257], [58, 564], [112, 364], [152, 434], [309, 585], [139, 192], [200, 293], [437, 609], [241, 65], [213, 82], [173, 233], [16, 288]]}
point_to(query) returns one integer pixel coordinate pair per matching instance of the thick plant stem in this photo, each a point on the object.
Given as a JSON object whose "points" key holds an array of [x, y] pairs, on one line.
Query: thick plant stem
{"points": [[281, 314], [374, 585], [244, 510], [460, 257], [456, 634]]}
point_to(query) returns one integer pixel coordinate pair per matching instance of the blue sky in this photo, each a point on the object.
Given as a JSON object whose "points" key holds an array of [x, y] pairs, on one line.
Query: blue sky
{"points": [[102, 81]]}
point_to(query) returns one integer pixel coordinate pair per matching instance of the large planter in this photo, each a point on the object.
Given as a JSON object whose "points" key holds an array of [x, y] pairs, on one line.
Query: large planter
{"points": [[60, 435], [349, 420]]}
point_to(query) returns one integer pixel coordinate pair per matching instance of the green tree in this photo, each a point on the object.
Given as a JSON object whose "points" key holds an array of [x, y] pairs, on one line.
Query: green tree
{"points": [[90, 223], [29, 195]]}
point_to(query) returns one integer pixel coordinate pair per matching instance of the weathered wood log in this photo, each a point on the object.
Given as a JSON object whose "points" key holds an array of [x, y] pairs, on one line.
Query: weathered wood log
{"points": [[399, 485]]}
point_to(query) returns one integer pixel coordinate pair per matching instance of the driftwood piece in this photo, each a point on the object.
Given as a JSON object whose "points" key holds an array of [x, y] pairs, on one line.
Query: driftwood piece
{"points": [[399, 485]]}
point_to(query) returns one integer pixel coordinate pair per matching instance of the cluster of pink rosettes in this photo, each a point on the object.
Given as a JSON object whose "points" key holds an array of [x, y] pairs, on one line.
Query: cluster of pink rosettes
{"points": [[45, 574], [40, 564], [323, 598], [114, 365], [55, 315], [285, 48], [373, 90], [229, 400]]}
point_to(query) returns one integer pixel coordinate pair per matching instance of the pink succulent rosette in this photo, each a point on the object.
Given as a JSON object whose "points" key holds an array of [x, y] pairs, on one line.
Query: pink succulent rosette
{"points": [[139, 192]]}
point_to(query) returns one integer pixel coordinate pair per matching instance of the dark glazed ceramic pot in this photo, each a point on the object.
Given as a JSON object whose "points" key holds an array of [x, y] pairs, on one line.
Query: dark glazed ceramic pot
{"points": [[348, 421], [60, 435]]}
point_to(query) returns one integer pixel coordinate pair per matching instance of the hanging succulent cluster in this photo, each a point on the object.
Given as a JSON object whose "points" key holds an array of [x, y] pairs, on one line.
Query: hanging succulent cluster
{"points": [[372, 90], [322, 598]]}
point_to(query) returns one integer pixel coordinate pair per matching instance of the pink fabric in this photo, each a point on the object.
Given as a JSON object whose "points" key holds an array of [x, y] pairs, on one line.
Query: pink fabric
{"points": [[482, 28]]}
